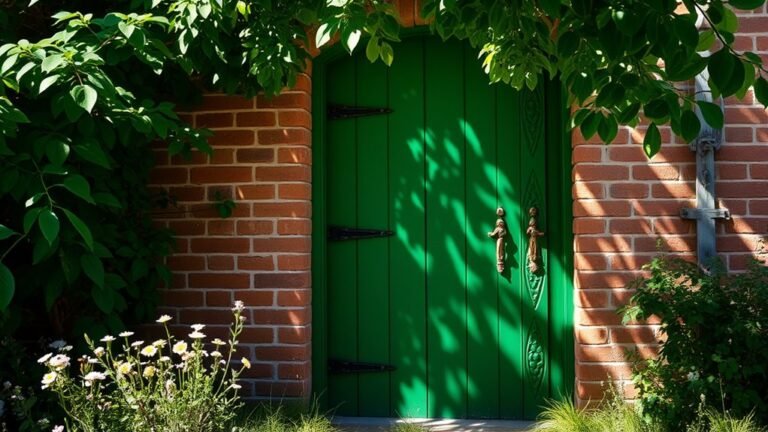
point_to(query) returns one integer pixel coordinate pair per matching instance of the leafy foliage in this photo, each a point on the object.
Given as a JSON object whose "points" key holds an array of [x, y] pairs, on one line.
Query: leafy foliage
{"points": [[716, 326]]}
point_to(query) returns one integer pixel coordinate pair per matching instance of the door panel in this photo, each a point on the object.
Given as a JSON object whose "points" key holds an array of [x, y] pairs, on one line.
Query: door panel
{"points": [[465, 340]]}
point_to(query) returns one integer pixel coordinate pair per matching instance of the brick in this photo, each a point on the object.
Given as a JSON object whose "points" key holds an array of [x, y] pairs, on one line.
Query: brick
{"points": [[297, 371], [603, 279], [593, 172], [289, 244], [743, 153], [298, 118], [747, 225], [221, 227], [185, 262], [221, 262], [601, 208], [759, 171], [222, 156], [742, 190], [739, 134], [256, 297], [256, 119], [299, 209], [255, 192], [292, 298], [673, 190], [655, 172], [284, 136], [168, 176], [634, 335], [224, 103], [209, 211], [257, 335], [628, 190], [294, 191], [668, 243], [597, 317], [218, 298], [187, 193], [590, 262], [282, 389], [303, 81], [281, 317], [255, 155], [758, 207], [603, 372], [626, 154], [183, 298], [739, 243], [629, 262], [263, 263], [259, 370], [592, 298], [745, 115], [219, 280], [187, 227], [255, 227], [217, 120], [220, 245], [672, 225], [284, 100], [283, 173], [660, 207], [607, 354], [603, 244], [592, 190], [283, 353], [630, 226], [293, 335], [298, 155], [589, 225], [294, 227], [591, 335], [294, 262], [584, 153], [209, 316], [232, 137], [731, 171], [281, 280], [205, 175]]}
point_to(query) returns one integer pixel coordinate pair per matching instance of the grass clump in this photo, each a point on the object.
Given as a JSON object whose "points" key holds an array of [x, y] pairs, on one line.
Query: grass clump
{"points": [[407, 426], [271, 419]]}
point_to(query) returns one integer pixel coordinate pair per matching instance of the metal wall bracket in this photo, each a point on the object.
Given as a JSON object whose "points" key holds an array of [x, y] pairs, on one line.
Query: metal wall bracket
{"points": [[338, 112], [703, 214]]}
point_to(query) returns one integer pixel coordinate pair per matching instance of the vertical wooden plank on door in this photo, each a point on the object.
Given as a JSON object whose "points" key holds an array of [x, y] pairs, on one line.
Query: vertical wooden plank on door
{"points": [[372, 254], [510, 282], [535, 297], [407, 253], [342, 255], [446, 260], [482, 286]]}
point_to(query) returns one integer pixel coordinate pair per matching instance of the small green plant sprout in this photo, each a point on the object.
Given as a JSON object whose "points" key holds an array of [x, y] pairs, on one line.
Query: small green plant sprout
{"points": [[224, 206], [170, 384]]}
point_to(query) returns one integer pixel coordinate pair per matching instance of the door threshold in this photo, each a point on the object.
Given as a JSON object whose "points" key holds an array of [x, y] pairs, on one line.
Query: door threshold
{"points": [[382, 424]]}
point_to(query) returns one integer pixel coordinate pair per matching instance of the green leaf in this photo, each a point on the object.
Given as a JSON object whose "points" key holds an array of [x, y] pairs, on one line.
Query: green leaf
{"points": [[81, 228], [372, 49], [92, 152], [53, 290], [652, 141], [706, 40], [93, 268], [7, 286], [107, 199], [351, 39], [104, 298], [49, 225], [608, 128], [656, 109], [52, 62], [761, 91], [30, 218], [386, 53], [323, 35], [712, 114], [721, 68], [84, 96], [690, 125], [47, 82], [590, 125], [126, 29], [6, 232], [56, 150], [79, 186]]}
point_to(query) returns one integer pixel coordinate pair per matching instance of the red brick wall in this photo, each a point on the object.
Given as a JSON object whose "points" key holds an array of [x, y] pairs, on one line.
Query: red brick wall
{"points": [[624, 204]]}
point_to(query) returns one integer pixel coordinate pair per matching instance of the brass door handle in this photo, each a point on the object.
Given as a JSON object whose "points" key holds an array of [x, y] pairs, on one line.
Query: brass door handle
{"points": [[499, 232], [533, 245]]}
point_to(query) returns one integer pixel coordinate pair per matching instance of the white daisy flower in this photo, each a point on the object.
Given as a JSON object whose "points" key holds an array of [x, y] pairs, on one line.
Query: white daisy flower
{"points": [[164, 359], [149, 351], [126, 334], [180, 347], [196, 335], [44, 358], [95, 376], [149, 372], [216, 354], [197, 327], [124, 368], [236, 386], [99, 351], [246, 362], [163, 319], [239, 306], [107, 339], [159, 343], [59, 361], [218, 341], [137, 344], [48, 379]]}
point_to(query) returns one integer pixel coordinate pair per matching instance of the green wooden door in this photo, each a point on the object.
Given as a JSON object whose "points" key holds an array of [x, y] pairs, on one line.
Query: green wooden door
{"points": [[454, 337]]}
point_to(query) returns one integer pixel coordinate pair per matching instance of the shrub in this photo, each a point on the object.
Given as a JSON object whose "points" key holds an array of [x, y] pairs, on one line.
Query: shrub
{"points": [[167, 385], [716, 328]]}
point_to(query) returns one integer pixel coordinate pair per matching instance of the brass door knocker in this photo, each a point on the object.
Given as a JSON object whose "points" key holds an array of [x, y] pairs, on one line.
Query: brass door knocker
{"points": [[498, 233], [533, 245]]}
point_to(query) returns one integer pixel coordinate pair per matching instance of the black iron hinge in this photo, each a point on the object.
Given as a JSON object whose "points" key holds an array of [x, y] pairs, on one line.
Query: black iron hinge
{"points": [[344, 367], [337, 233]]}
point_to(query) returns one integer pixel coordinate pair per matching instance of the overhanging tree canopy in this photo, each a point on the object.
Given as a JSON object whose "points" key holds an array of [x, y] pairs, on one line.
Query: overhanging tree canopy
{"points": [[84, 94]]}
